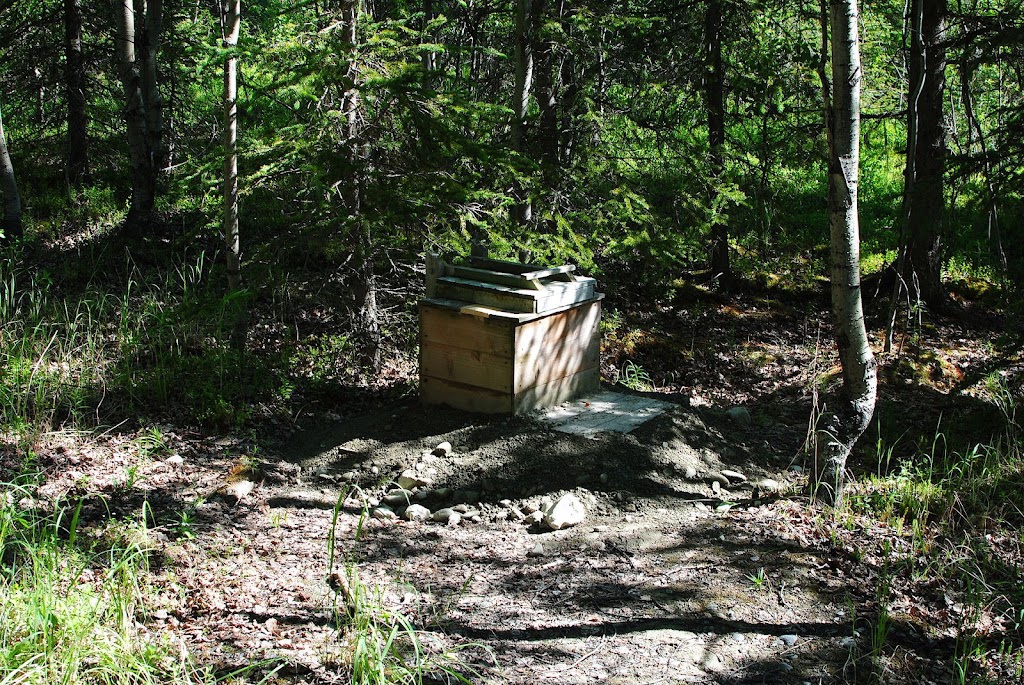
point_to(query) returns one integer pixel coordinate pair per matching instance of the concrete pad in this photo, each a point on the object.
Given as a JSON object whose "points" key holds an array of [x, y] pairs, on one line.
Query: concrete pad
{"points": [[606, 411]]}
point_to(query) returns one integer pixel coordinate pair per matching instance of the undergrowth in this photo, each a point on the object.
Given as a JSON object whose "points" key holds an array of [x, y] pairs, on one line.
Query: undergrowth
{"points": [[960, 513], [70, 607]]}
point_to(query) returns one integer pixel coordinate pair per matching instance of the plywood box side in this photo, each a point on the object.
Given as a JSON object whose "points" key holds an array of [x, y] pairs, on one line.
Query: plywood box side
{"points": [[471, 367], [448, 327], [558, 391], [464, 397]]}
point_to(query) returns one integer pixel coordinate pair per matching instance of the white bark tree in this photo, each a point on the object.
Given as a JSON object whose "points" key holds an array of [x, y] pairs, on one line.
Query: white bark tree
{"points": [[11, 226], [230, 20], [848, 414]]}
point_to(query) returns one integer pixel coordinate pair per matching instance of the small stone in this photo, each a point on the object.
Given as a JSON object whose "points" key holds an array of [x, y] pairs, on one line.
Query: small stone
{"points": [[716, 487], [567, 511], [690, 473], [768, 485], [720, 479], [161, 614], [722, 508], [738, 637], [603, 478], [398, 497], [443, 449], [505, 503], [375, 470], [350, 476], [410, 480], [455, 519], [461, 508], [537, 551], [734, 476], [444, 515], [383, 513], [175, 460], [739, 415], [785, 667], [796, 468], [416, 512], [533, 518], [789, 639], [848, 643], [529, 507]]}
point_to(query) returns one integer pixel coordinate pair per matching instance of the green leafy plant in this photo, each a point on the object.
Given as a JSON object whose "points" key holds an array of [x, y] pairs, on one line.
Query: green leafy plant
{"points": [[759, 581], [634, 377]]}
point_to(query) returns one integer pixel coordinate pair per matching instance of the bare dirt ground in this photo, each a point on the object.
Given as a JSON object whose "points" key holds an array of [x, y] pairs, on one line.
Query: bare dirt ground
{"points": [[671, 578], [659, 584]]}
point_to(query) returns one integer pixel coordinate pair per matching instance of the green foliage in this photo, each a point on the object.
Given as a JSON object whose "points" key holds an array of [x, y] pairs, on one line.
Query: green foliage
{"points": [[70, 602]]}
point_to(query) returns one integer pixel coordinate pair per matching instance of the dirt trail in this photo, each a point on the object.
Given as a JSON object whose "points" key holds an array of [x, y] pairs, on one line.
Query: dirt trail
{"points": [[670, 579]]}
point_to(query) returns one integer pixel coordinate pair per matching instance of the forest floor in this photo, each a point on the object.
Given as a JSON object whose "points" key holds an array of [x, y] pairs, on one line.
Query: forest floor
{"points": [[671, 578]]}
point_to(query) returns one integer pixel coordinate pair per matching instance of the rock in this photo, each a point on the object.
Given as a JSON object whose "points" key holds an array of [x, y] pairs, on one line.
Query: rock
{"points": [[530, 507], [533, 517], [722, 508], [690, 473], [505, 504], [442, 493], [232, 493], [789, 639], [461, 508], [603, 478], [720, 479], [567, 511], [768, 485], [416, 512], [796, 468], [443, 449], [716, 487], [537, 551], [734, 476], [399, 497], [848, 643], [738, 637], [175, 460], [739, 415], [350, 476], [383, 513], [410, 480], [454, 519], [444, 515]]}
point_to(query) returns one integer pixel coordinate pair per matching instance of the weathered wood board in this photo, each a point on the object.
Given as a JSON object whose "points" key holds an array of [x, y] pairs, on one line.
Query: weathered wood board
{"points": [[489, 360], [550, 296]]}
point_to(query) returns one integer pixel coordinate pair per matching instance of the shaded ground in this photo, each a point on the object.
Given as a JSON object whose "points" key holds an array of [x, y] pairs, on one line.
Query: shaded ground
{"points": [[655, 586]]}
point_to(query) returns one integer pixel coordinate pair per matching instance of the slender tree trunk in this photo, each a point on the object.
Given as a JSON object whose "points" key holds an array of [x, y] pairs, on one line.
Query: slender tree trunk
{"points": [[916, 80], [714, 93], [143, 157], [11, 226], [74, 80], [546, 90], [429, 57], [366, 276], [521, 94], [230, 17], [927, 201], [839, 429], [153, 11]]}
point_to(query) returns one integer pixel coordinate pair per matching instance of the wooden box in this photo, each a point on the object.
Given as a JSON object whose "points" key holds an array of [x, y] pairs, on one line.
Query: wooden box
{"points": [[487, 359]]}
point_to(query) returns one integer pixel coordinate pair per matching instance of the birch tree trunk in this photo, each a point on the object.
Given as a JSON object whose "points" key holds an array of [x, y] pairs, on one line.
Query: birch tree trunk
{"points": [[839, 429], [74, 80], [11, 226], [230, 17], [521, 94]]}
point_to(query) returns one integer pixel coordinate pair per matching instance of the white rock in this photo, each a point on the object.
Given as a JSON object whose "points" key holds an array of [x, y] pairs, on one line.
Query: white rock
{"points": [[383, 512], [537, 551], [454, 519], [416, 512], [410, 480], [443, 449], [533, 517], [788, 639], [690, 473], [444, 515], [175, 460], [568, 510], [734, 476]]}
